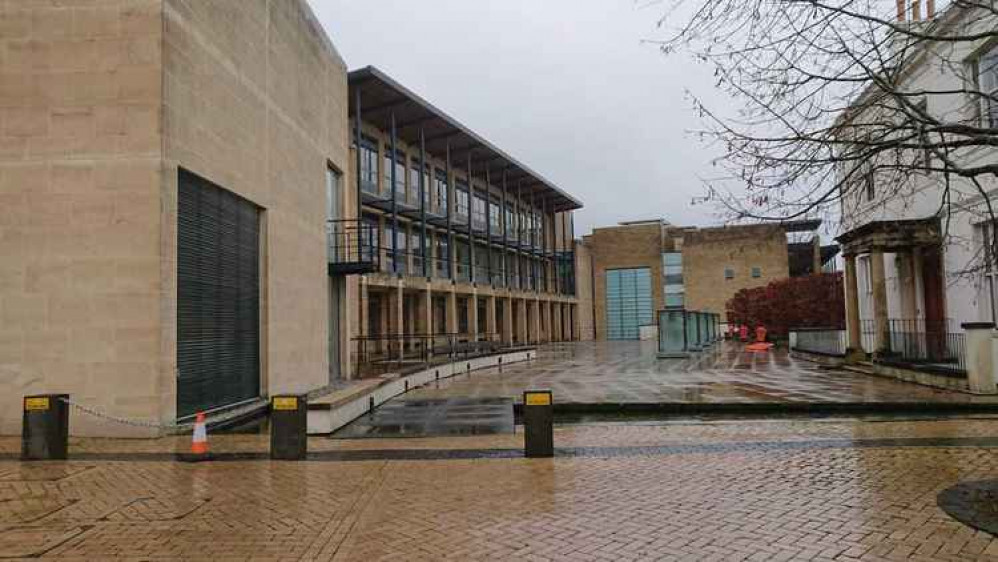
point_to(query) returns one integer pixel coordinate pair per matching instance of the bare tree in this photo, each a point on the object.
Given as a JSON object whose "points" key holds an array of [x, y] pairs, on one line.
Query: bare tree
{"points": [[838, 99]]}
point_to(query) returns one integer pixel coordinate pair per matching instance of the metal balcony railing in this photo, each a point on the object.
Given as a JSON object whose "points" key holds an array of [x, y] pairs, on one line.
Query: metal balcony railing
{"points": [[352, 247]]}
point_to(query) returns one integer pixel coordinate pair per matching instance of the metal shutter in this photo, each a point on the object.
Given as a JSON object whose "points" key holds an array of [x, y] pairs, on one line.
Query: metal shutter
{"points": [[218, 297]]}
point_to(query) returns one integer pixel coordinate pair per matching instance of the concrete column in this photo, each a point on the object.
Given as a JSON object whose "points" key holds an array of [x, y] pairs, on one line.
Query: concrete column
{"points": [[535, 320], [473, 316], [424, 311], [570, 316], [507, 319], [981, 348], [451, 311], [853, 329], [490, 315], [521, 320], [398, 312], [557, 331], [880, 322]]}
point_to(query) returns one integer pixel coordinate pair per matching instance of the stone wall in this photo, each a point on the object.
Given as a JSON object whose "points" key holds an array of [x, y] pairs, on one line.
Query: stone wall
{"points": [[101, 101], [585, 320], [618, 247], [256, 101], [80, 155], [708, 252]]}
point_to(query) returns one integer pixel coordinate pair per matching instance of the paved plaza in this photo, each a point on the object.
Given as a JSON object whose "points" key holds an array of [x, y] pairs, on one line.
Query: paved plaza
{"points": [[766, 490], [629, 372]]}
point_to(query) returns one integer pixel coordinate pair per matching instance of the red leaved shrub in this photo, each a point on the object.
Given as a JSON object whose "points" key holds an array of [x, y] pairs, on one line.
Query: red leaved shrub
{"points": [[814, 301]]}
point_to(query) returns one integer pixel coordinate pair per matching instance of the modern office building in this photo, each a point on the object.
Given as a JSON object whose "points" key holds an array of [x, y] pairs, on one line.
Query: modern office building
{"points": [[641, 267], [467, 240]]}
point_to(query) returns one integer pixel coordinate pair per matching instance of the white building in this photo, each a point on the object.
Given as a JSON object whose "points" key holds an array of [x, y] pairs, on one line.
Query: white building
{"points": [[915, 257]]}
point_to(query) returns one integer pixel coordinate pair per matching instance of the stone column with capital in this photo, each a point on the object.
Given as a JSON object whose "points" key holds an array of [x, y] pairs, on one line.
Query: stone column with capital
{"points": [[880, 319], [853, 328]]}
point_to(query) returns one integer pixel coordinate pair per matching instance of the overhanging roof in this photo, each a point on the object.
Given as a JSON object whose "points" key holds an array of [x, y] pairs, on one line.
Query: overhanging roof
{"points": [[381, 96]]}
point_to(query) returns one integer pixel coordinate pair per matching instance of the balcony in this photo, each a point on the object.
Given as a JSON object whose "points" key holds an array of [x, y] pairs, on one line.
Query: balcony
{"points": [[351, 246]]}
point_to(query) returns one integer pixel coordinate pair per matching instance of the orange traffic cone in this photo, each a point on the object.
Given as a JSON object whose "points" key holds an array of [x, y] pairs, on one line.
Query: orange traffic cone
{"points": [[199, 441]]}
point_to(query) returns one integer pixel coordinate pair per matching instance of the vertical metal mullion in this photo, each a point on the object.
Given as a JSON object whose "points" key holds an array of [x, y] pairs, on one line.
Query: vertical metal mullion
{"points": [[422, 201], [451, 201], [395, 216], [358, 140], [488, 224], [571, 269], [471, 220], [505, 246], [533, 242]]}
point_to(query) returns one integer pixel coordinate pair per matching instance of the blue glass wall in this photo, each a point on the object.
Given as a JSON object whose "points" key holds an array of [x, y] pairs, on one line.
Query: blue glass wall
{"points": [[628, 302]]}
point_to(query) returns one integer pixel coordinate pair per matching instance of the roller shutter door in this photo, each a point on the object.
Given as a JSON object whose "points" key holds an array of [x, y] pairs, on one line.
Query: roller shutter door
{"points": [[218, 297]]}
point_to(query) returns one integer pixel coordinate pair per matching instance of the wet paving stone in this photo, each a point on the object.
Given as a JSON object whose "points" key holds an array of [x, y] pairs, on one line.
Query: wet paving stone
{"points": [[421, 417]]}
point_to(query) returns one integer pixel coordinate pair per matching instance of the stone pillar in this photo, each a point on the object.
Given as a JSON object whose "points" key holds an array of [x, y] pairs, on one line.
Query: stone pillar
{"points": [[451, 312], [424, 312], [881, 325], [507, 319], [490, 315], [398, 313], [981, 348], [535, 320], [816, 255], [473, 316], [556, 322], [853, 328], [909, 288], [521, 320]]}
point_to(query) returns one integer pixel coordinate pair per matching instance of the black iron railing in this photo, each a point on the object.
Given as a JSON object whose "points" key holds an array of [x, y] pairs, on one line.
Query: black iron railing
{"points": [[916, 342], [352, 246], [387, 353]]}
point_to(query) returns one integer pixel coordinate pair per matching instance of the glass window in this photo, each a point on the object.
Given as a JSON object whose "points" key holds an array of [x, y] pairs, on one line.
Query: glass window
{"points": [[987, 82], [756, 272], [494, 223], [479, 216], [462, 200], [414, 172], [729, 273], [368, 165], [399, 172], [441, 189]]}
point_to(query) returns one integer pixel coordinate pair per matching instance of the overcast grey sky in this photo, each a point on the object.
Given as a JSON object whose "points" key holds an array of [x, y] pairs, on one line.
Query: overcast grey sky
{"points": [[566, 86]]}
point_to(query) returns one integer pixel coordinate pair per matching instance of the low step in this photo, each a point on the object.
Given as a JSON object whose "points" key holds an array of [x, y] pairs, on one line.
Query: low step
{"points": [[862, 368]]}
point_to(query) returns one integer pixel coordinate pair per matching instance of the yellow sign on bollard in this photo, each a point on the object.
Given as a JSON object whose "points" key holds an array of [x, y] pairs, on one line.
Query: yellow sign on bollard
{"points": [[36, 403], [285, 403], [537, 399]]}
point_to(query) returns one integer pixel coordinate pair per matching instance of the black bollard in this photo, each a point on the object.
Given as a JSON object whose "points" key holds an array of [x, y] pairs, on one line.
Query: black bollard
{"points": [[538, 423], [45, 429], [288, 428]]}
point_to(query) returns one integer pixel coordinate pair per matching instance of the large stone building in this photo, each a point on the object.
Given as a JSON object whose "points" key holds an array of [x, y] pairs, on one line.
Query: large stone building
{"points": [[176, 178], [641, 267]]}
